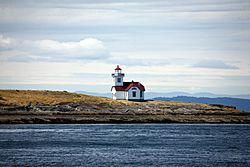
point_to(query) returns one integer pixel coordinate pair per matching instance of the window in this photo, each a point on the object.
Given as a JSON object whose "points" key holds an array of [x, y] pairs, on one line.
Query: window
{"points": [[134, 93], [134, 89], [141, 93], [119, 79]]}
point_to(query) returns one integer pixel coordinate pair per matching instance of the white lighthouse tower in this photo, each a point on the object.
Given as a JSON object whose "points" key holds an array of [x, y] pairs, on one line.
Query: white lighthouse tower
{"points": [[118, 76]]}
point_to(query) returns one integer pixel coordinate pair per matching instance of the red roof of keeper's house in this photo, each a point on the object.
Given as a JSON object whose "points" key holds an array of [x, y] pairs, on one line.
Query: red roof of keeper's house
{"points": [[118, 68], [127, 85]]}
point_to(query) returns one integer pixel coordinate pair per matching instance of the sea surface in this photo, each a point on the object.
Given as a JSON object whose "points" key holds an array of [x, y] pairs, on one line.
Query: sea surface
{"points": [[125, 145]]}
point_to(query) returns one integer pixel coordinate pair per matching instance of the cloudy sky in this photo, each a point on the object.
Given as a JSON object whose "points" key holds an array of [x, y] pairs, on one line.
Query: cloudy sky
{"points": [[170, 45]]}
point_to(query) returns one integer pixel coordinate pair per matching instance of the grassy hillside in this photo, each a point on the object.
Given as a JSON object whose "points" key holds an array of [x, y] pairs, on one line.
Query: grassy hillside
{"points": [[25, 97], [26, 106]]}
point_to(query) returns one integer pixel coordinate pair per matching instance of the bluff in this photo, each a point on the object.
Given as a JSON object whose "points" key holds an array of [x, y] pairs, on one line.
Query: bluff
{"points": [[32, 106]]}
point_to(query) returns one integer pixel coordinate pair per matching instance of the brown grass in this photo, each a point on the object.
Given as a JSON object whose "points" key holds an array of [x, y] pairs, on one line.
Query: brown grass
{"points": [[25, 97], [45, 97]]}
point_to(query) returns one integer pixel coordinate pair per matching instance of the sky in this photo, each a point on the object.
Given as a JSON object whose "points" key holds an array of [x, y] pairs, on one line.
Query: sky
{"points": [[169, 45]]}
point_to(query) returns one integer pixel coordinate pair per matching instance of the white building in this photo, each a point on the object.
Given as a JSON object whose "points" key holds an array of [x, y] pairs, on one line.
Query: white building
{"points": [[126, 90]]}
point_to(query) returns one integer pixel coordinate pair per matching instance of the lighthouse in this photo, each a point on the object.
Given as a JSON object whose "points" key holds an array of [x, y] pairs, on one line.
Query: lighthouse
{"points": [[118, 76], [126, 90]]}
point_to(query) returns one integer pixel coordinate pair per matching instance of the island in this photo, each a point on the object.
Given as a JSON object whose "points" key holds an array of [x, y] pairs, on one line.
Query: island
{"points": [[54, 107]]}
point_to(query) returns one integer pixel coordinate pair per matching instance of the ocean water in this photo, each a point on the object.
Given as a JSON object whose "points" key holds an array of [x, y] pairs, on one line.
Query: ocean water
{"points": [[125, 145]]}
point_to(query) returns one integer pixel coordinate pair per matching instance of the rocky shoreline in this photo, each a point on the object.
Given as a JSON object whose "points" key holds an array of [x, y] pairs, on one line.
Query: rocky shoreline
{"points": [[79, 113], [117, 119], [39, 107]]}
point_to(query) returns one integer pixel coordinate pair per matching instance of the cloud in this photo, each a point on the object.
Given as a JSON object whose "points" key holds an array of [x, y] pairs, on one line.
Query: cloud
{"points": [[44, 13], [153, 37], [6, 42], [52, 50], [213, 64], [137, 61], [245, 78], [89, 48]]}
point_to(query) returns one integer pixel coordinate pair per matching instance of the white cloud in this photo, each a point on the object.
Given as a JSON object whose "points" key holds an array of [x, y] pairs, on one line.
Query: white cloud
{"points": [[154, 37], [217, 64], [123, 13], [6, 42], [52, 50]]}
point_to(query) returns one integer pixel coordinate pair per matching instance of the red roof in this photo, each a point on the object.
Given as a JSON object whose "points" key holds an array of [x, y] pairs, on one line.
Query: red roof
{"points": [[118, 68], [127, 85]]}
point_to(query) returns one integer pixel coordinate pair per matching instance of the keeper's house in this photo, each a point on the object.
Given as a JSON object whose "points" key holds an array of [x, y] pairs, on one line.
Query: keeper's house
{"points": [[126, 90]]}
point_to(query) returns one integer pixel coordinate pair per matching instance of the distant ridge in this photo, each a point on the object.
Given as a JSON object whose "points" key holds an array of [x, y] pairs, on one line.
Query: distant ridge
{"points": [[240, 104], [151, 95]]}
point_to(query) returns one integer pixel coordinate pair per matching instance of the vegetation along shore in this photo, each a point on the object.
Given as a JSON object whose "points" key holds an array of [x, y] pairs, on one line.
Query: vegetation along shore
{"points": [[32, 106]]}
